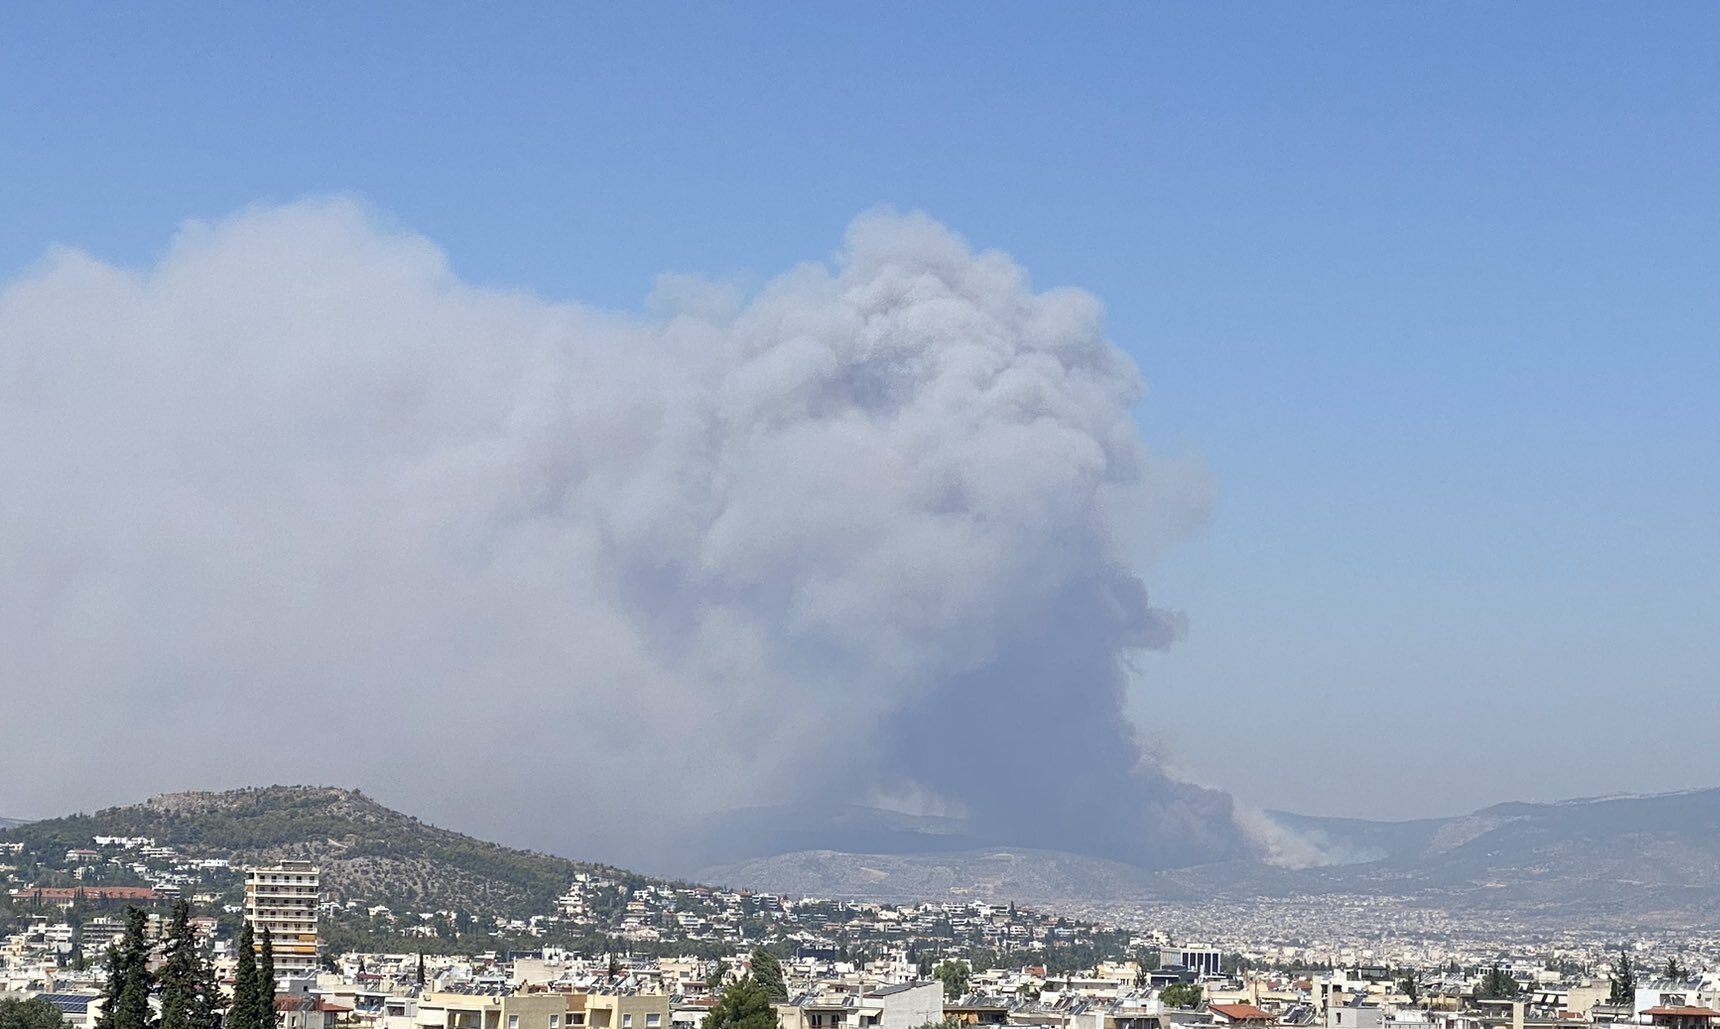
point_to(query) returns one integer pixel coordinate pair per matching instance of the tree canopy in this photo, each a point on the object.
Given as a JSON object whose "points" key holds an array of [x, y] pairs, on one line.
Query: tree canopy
{"points": [[1181, 995], [190, 997], [767, 972], [34, 1013], [125, 995], [265, 1001], [744, 1004], [955, 976], [1497, 984], [242, 1013], [1623, 982]]}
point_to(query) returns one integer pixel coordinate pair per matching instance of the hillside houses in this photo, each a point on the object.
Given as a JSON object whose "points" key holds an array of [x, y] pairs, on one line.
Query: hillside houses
{"points": [[617, 951]]}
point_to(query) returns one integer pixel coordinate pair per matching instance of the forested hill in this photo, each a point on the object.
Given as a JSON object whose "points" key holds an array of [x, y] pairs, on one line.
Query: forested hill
{"points": [[397, 884], [367, 851]]}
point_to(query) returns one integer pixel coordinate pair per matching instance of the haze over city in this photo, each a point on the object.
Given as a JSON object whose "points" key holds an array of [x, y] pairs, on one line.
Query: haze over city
{"points": [[1096, 426]]}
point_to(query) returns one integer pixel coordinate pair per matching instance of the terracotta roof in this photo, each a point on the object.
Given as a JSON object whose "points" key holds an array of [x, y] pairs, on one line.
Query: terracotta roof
{"points": [[1240, 1012], [307, 1002], [1684, 1012], [89, 892]]}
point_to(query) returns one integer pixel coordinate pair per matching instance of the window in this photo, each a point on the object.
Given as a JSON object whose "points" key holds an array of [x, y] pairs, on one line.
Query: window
{"points": [[513, 1022], [555, 1022], [652, 1021], [626, 1022]]}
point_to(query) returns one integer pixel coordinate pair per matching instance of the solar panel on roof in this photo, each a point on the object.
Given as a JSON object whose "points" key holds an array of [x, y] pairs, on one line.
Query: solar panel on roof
{"points": [[72, 1003]]}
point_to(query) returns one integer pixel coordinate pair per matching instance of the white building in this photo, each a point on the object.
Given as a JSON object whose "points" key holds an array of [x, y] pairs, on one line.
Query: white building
{"points": [[1202, 960], [283, 899]]}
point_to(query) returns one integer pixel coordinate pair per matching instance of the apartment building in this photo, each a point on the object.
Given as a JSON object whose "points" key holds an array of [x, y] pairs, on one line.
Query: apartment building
{"points": [[619, 1011], [453, 1010], [900, 1006], [283, 899]]}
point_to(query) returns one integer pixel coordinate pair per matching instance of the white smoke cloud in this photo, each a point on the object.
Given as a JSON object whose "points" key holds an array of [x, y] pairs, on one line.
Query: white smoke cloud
{"points": [[1282, 846], [297, 504]]}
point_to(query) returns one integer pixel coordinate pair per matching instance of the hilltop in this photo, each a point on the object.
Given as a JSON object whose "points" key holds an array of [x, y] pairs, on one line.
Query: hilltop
{"points": [[395, 883], [367, 851]]}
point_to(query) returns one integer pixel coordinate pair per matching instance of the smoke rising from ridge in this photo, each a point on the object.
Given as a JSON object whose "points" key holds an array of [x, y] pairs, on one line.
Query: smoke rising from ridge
{"points": [[298, 493]]}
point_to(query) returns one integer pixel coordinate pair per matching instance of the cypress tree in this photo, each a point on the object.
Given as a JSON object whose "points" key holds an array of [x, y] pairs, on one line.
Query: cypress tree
{"points": [[1623, 983], [111, 989], [265, 1017], [242, 1013], [178, 973], [205, 1010], [188, 990], [132, 1011]]}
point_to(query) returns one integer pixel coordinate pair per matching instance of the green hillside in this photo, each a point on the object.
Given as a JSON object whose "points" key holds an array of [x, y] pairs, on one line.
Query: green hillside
{"points": [[392, 883], [367, 852]]}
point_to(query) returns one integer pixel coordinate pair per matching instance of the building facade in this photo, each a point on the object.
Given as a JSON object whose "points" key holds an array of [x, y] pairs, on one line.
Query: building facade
{"points": [[283, 899]]}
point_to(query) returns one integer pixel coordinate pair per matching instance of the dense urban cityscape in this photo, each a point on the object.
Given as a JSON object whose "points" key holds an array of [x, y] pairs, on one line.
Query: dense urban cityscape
{"points": [[618, 951]]}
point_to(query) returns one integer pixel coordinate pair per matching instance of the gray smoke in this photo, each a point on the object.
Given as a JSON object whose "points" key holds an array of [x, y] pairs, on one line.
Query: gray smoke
{"points": [[297, 504]]}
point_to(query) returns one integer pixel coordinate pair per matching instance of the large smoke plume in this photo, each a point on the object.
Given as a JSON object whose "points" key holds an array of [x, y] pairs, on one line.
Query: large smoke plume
{"points": [[297, 504]]}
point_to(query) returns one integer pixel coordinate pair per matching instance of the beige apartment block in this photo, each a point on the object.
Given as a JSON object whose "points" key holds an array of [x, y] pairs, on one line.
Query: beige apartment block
{"points": [[283, 899], [623, 1011], [486, 1011]]}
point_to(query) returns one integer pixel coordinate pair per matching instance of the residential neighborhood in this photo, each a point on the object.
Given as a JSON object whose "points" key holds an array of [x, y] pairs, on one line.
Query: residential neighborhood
{"points": [[672, 949]]}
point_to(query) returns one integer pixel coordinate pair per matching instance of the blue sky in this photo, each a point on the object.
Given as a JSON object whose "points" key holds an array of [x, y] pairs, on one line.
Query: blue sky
{"points": [[1431, 289]]}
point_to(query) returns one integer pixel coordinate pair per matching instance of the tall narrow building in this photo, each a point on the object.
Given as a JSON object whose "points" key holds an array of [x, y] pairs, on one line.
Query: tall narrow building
{"points": [[283, 899]]}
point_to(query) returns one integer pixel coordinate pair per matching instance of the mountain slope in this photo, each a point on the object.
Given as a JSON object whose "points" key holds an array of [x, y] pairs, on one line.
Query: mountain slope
{"points": [[366, 850], [1650, 857]]}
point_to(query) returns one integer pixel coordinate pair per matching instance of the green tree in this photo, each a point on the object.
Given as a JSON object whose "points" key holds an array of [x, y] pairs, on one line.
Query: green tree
{"points": [[744, 1004], [1497, 984], [1674, 970], [1181, 995], [125, 996], [265, 1017], [1410, 988], [242, 1013], [189, 995], [34, 1013], [1145, 962], [767, 972], [112, 986], [1623, 982], [955, 976]]}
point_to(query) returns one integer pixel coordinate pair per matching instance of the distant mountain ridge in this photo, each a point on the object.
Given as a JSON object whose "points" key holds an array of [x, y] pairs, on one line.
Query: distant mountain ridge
{"points": [[1649, 856], [7, 823], [1653, 857]]}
